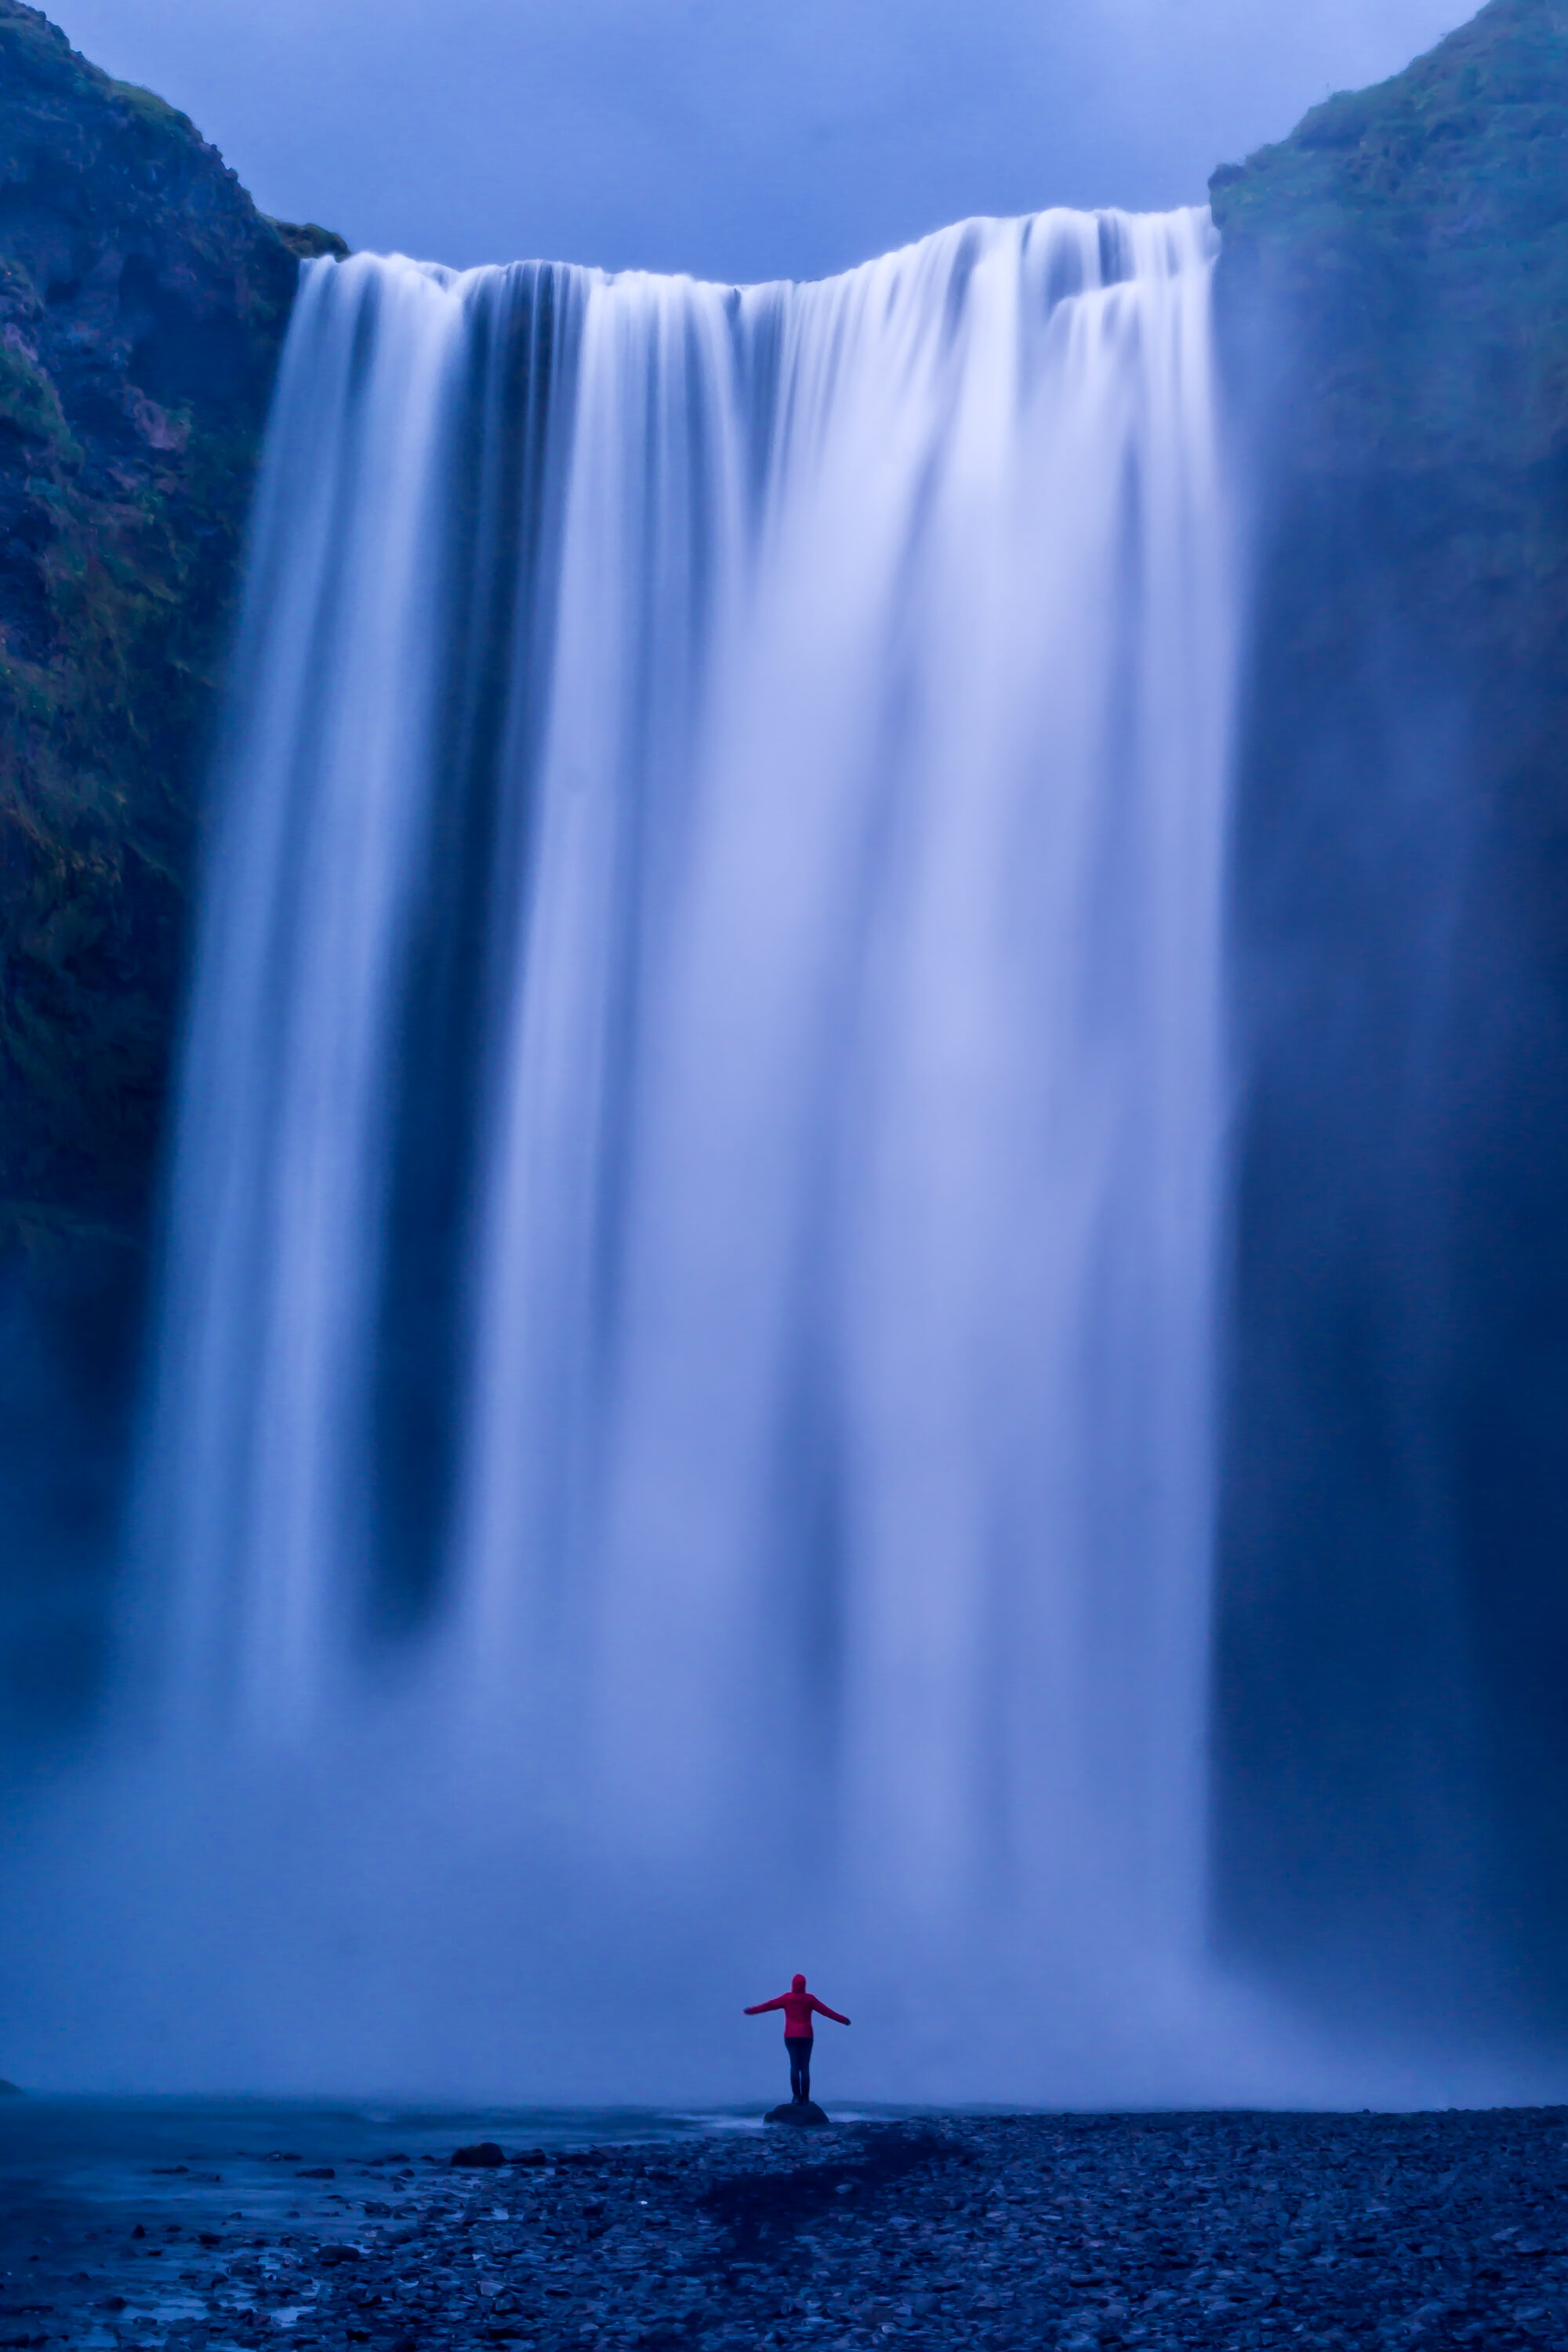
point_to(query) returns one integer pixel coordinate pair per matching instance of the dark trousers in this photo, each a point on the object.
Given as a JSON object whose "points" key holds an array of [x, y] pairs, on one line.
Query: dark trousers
{"points": [[799, 2048]]}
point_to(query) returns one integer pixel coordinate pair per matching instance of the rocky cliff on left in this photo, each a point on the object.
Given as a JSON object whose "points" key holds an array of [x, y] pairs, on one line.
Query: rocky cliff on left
{"points": [[143, 303]]}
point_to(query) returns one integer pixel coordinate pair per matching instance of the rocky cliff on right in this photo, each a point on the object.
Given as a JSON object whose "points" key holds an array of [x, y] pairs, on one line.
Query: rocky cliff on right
{"points": [[1393, 1637]]}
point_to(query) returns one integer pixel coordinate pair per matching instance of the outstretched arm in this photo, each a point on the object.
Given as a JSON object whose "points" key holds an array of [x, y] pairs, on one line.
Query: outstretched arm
{"points": [[823, 2011], [777, 2003]]}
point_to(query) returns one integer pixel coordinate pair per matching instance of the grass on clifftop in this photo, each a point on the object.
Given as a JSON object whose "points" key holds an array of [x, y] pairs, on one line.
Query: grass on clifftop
{"points": [[1417, 232]]}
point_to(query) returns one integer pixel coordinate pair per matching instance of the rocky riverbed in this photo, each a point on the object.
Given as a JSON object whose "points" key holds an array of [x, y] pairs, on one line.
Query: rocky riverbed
{"points": [[1062, 2231]]}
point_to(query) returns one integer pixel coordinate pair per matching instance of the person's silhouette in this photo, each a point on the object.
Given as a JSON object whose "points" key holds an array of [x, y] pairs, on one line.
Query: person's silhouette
{"points": [[799, 2007]]}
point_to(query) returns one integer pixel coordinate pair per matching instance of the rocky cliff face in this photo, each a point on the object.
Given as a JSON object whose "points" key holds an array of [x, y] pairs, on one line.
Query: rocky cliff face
{"points": [[1394, 1631], [142, 305], [143, 300]]}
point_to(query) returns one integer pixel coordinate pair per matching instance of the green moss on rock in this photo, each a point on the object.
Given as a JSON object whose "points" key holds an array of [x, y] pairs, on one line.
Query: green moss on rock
{"points": [[1413, 239], [29, 403], [142, 304]]}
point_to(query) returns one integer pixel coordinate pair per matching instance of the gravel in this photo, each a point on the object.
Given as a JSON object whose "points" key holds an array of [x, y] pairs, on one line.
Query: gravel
{"points": [[1067, 2232]]}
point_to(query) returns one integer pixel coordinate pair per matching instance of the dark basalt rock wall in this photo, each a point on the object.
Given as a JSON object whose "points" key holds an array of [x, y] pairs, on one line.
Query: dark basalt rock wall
{"points": [[1393, 1656]]}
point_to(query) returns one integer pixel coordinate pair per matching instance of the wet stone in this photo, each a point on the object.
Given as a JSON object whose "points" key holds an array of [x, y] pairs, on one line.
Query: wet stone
{"points": [[1220, 2233]]}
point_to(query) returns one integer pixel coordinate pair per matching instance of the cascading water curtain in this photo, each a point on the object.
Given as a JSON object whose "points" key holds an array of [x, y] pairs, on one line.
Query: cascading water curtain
{"points": [[683, 1423]]}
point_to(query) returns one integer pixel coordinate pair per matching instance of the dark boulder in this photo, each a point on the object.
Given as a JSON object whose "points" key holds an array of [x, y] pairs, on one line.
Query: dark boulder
{"points": [[484, 2152], [800, 2115], [309, 240]]}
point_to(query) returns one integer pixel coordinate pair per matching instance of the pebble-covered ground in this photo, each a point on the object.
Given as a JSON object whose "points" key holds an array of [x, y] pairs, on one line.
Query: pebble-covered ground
{"points": [[1069, 2232]]}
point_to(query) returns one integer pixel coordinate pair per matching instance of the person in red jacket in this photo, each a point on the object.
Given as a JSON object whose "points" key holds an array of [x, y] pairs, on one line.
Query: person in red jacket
{"points": [[798, 2006]]}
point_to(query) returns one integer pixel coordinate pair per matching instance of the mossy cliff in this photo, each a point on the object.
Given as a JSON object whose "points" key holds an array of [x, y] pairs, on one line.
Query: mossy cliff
{"points": [[1394, 1630], [143, 303]]}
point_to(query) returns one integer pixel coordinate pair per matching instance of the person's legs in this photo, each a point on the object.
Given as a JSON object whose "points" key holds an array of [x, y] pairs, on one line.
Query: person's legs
{"points": [[799, 2048]]}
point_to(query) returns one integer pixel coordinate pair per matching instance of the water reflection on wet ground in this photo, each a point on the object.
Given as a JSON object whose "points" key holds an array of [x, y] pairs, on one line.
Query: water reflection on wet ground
{"points": [[131, 2216]]}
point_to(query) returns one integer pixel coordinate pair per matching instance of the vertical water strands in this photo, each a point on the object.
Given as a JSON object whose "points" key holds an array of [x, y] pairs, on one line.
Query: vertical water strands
{"points": [[493, 624], [695, 1201]]}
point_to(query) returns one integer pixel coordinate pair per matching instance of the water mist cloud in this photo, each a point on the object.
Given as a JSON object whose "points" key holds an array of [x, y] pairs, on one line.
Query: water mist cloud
{"points": [[736, 139]]}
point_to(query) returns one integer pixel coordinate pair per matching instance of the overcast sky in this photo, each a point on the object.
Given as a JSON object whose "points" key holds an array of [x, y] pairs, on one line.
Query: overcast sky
{"points": [[739, 139]]}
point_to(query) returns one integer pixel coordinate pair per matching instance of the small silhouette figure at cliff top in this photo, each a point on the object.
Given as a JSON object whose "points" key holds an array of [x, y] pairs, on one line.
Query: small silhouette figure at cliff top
{"points": [[799, 2007]]}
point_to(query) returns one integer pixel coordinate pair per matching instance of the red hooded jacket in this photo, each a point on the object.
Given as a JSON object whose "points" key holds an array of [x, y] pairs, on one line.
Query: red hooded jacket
{"points": [[797, 2005]]}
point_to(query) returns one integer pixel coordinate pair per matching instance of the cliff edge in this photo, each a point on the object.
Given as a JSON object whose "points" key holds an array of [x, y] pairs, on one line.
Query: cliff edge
{"points": [[1393, 1642], [142, 304]]}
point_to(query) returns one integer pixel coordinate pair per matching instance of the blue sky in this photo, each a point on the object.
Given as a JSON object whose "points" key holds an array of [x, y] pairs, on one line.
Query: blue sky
{"points": [[739, 139]]}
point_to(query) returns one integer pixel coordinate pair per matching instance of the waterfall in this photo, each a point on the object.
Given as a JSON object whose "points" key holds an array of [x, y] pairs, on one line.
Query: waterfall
{"points": [[682, 1429]]}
